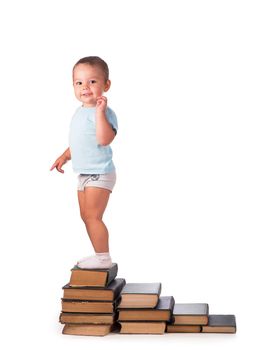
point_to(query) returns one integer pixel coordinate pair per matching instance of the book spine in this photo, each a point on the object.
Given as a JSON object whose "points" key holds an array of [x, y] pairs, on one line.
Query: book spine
{"points": [[171, 308], [118, 290], [111, 274]]}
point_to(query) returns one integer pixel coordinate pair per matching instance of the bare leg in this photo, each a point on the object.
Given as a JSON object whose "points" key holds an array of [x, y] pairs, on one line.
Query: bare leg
{"points": [[92, 203]]}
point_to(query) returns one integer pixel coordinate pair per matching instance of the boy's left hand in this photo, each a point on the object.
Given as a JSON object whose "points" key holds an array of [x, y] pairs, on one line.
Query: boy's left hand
{"points": [[101, 103]]}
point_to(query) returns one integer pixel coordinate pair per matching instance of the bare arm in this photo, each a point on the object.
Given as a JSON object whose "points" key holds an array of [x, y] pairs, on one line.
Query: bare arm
{"points": [[104, 131], [60, 161], [67, 154]]}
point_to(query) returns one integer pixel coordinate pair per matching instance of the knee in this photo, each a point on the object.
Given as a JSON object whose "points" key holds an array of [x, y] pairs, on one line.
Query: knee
{"points": [[90, 218]]}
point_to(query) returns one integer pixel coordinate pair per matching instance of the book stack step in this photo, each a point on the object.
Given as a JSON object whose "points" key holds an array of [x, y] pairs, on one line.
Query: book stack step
{"points": [[142, 310], [188, 318], [220, 324], [195, 318], [90, 301], [96, 302]]}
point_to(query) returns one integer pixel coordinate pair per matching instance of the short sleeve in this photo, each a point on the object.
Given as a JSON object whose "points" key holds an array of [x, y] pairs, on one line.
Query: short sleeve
{"points": [[111, 116]]}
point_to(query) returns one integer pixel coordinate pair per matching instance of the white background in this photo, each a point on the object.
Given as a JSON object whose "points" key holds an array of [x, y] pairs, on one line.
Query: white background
{"points": [[193, 88]]}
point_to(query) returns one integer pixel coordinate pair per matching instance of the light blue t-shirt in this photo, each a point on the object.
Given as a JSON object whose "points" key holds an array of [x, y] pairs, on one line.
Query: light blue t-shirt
{"points": [[88, 157]]}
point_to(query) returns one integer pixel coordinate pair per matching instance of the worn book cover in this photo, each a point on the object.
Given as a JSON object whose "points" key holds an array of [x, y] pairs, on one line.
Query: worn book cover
{"points": [[220, 324], [88, 318], [142, 327], [89, 306], [137, 295], [108, 293], [162, 312], [87, 329], [92, 277], [172, 328], [190, 314]]}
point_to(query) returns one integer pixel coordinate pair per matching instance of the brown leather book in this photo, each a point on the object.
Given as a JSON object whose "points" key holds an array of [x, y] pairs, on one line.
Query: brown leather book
{"points": [[220, 324], [109, 293], [162, 312], [142, 327], [182, 329], [80, 306], [95, 318], [190, 314], [92, 277], [140, 295], [87, 329]]}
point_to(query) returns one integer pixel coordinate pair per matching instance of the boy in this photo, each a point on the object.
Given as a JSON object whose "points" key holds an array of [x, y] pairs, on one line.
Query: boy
{"points": [[93, 128]]}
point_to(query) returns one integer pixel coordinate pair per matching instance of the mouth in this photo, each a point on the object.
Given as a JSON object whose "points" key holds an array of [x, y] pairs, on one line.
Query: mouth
{"points": [[86, 95]]}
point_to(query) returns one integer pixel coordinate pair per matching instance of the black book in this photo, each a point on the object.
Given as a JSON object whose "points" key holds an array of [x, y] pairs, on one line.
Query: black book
{"points": [[178, 328], [220, 324], [92, 277], [142, 327], [87, 318], [162, 312], [140, 295], [190, 314], [109, 293], [83, 306], [87, 329]]}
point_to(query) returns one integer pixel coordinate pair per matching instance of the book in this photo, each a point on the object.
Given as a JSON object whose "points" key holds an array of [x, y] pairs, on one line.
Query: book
{"points": [[140, 295], [142, 327], [108, 293], [92, 277], [93, 318], [171, 328], [87, 329], [80, 306], [220, 324], [190, 314], [162, 312]]}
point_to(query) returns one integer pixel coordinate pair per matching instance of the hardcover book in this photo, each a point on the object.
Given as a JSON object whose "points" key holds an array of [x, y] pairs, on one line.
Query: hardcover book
{"points": [[220, 324], [142, 327], [140, 295], [162, 312], [190, 314], [92, 277], [171, 328], [109, 293], [80, 306], [87, 329], [93, 318]]}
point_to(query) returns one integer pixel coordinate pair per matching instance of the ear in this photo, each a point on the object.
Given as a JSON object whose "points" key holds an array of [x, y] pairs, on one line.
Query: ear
{"points": [[107, 85]]}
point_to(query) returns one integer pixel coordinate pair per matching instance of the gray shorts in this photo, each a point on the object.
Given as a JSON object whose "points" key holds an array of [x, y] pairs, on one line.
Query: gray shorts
{"points": [[106, 181]]}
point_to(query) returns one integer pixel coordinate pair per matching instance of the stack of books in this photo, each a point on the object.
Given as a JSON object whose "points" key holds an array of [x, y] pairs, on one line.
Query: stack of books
{"points": [[96, 302], [90, 300], [195, 318], [142, 310]]}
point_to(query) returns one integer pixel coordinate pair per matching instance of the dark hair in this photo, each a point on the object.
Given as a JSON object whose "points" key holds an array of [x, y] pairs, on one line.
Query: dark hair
{"points": [[95, 61]]}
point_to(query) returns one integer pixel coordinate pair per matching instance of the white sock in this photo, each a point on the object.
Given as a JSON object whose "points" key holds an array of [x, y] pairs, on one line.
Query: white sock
{"points": [[85, 258], [103, 256], [98, 261]]}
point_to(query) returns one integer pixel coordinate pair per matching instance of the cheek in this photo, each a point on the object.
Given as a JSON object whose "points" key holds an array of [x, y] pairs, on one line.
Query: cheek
{"points": [[100, 89], [77, 92]]}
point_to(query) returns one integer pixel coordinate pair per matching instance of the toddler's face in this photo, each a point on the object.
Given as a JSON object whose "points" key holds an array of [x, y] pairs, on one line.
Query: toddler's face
{"points": [[89, 84]]}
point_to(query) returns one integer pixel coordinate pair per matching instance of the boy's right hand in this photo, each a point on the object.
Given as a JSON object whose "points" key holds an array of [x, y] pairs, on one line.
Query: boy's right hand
{"points": [[59, 163]]}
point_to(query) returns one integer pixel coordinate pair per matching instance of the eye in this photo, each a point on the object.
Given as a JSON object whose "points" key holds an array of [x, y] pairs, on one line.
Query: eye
{"points": [[92, 81], [78, 83]]}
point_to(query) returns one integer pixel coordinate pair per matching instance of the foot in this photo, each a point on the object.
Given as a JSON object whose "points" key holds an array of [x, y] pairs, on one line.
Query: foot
{"points": [[85, 258], [98, 261]]}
